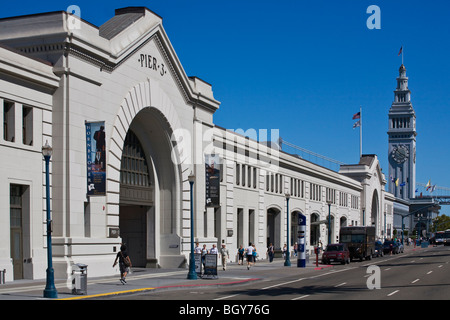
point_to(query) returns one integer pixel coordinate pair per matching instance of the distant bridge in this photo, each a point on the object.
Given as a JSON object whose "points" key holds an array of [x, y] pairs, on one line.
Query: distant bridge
{"points": [[440, 194]]}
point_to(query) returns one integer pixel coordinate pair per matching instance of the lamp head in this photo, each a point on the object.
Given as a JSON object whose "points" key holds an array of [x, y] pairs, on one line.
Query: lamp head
{"points": [[47, 150], [191, 178]]}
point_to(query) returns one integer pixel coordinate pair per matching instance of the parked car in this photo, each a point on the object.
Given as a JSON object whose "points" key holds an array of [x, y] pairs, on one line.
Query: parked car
{"points": [[390, 246], [336, 252], [378, 249]]}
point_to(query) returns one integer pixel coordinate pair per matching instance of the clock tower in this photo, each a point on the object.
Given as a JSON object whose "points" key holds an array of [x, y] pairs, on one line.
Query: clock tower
{"points": [[402, 141]]}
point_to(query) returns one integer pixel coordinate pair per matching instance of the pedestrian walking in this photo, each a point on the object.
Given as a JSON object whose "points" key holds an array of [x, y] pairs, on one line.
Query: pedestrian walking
{"points": [[124, 263], [284, 251], [249, 255], [241, 252], [270, 252], [225, 254], [255, 254]]}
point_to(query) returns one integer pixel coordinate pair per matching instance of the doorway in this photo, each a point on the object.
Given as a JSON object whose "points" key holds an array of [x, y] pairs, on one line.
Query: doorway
{"points": [[17, 222], [274, 227], [133, 231]]}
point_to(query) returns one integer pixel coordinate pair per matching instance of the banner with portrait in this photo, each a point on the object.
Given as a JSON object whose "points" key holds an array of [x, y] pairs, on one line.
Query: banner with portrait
{"points": [[212, 173], [96, 158]]}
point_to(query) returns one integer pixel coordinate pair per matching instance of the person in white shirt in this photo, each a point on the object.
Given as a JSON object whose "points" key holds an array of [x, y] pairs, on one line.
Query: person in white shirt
{"points": [[198, 249], [249, 255], [213, 250], [225, 253]]}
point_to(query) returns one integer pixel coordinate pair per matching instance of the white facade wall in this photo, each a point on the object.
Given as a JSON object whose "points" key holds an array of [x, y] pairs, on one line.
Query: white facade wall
{"points": [[93, 78], [27, 83]]}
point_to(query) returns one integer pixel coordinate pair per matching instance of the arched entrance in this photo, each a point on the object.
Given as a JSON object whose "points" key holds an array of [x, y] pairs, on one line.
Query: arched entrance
{"points": [[374, 211], [149, 113], [315, 229], [274, 227], [136, 200], [149, 193], [342, 223], [294, 227]]}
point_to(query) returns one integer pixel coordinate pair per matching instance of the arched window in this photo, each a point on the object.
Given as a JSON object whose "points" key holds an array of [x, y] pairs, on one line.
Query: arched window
{"points": [[134, 169]]}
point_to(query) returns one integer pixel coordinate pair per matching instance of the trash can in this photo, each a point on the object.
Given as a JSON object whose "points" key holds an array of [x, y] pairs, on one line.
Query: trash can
{"points": [[79, 281]]}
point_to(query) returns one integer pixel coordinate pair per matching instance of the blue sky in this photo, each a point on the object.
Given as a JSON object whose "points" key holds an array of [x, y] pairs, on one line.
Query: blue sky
{"points": [[305, 67]]}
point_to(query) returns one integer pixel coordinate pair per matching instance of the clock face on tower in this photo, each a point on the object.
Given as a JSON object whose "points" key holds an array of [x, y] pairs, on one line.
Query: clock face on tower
{"points": [[400, 153]]}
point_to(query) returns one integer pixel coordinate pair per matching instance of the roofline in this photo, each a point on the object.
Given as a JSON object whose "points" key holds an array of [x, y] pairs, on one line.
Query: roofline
{"points": [[47, 14], [135, 9], [3, 46]]}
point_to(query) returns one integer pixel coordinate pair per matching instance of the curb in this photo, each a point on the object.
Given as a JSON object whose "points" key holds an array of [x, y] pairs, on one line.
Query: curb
{"points": [[182, 286]]}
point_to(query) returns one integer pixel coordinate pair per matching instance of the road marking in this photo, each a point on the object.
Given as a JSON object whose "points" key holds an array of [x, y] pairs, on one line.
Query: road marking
{"points": [[293, 281], [282, 284], [429, 272], [340, 284], [302, 297], [227, 297], [392, 293], [440, 266], [387, 269], [415, 281]]}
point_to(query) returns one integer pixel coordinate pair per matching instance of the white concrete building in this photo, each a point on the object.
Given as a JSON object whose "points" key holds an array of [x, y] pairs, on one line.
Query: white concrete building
{"points": [[59, 73]]}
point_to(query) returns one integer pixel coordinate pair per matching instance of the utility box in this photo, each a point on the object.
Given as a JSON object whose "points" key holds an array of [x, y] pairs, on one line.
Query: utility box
{"points": [[79, 279]]}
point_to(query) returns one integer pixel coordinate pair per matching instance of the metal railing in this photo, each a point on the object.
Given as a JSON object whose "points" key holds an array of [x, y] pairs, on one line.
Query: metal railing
{"points": [[311, 156]]}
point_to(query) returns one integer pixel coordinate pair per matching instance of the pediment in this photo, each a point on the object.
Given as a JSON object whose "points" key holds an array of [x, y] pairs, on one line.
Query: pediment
{"points": [[137, 35], [375, 169], [367, 169], [125, 37]]}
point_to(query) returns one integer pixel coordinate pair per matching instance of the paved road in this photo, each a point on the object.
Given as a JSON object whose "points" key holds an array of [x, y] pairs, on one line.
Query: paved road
{"points": [[417, 274], [421, 273]]}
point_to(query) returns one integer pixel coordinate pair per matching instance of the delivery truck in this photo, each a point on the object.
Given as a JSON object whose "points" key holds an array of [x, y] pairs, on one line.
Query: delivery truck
{"points": [[360, 241]]}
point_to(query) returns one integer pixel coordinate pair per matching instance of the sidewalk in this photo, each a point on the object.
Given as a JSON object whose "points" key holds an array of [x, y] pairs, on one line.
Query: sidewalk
{"points": [[142, 279]]}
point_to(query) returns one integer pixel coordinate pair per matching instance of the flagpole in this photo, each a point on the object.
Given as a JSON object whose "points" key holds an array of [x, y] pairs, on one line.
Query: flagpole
{"points": [[360, 132], [402, 53]]}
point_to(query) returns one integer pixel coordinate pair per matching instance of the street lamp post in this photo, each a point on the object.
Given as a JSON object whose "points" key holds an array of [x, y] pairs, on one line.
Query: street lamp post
{"points": [[419, 235], [418, 216], [329, 222], [192, 275], [50, 290], [287, 261]]}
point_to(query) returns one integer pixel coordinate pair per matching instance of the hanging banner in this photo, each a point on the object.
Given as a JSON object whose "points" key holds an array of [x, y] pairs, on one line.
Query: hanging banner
{"points": [[96, 158], [212, 174]]}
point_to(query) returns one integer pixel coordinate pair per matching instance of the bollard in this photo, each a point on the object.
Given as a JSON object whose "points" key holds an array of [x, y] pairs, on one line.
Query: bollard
{"points": [[2, 276]]}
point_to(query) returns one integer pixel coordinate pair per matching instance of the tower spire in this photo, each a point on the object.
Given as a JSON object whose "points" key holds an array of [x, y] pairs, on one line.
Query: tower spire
{"points": [[402, 140], [402, 93]]}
